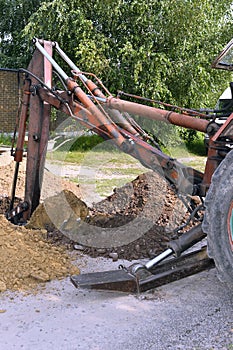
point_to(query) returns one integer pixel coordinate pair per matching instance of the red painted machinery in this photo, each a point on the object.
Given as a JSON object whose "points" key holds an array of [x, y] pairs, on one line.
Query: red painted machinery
{"points": [[89, 102]]}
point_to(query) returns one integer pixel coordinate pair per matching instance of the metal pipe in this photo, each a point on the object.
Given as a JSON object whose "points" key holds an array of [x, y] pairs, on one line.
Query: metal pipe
{"points": [[50, 59], [14, 185], [99, 99], [187, 240], [153, 113], [151, 263], [68, 61], [179, 245]]}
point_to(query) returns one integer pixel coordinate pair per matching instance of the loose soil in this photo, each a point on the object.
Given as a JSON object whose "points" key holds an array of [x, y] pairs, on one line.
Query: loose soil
{"points": [[40, 251], [27, 258]]}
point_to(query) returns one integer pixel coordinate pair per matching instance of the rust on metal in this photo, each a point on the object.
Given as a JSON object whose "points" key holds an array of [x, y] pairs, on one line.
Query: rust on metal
{"points": [[38, 132], [102, 119], [216, 146], [153, 113], [18, 156]]}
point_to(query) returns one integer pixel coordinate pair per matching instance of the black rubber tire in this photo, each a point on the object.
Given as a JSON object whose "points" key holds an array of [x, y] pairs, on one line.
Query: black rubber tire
{"points": [[217, 219]]}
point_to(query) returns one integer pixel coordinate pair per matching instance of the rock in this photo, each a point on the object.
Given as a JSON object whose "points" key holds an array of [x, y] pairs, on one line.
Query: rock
{"points": [[137, 248], [114, 256], [63, 208], [40, 276], [101, 250], [3, 287], [78, 247]]}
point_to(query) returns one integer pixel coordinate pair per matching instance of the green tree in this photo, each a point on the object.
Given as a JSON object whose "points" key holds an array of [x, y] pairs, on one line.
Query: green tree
{"points": [[160, 49], [195, 33], [14, 16]]}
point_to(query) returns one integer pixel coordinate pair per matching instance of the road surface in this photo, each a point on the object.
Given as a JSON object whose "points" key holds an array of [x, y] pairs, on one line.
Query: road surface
{"points": [[191, 314]]}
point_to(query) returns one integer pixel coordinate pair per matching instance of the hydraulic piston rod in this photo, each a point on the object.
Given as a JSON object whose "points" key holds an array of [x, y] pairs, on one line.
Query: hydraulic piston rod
{"points": [[153, 113], [176, 247]]}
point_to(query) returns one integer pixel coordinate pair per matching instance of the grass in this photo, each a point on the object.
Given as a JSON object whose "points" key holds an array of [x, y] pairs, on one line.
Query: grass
{"points": [[192, 154], [104, 187], [197, 163], [101, 157], [123, 171], [185, 150], [188, 149], [189, 157], [108, 169], [68, 157], [102, 169]]}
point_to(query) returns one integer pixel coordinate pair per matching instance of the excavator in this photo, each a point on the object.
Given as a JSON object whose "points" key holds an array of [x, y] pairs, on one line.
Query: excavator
{"points": [[85, 99]]}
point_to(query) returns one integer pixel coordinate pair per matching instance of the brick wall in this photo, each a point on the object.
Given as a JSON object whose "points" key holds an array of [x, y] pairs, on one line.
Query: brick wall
{"points": [[9, 100]]}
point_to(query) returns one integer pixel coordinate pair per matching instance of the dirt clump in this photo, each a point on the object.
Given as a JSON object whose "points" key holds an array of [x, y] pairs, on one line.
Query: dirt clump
{"points": [[57, 210], [150, 195], [150, 198]]}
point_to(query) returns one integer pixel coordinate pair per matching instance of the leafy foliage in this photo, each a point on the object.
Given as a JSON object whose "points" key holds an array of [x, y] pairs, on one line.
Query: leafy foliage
{"points": [[86, 143], [14, 16], [158, 49]]}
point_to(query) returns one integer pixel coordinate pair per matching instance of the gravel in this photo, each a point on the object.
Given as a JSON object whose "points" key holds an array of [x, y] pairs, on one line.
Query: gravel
{"points": [[191, 314]]}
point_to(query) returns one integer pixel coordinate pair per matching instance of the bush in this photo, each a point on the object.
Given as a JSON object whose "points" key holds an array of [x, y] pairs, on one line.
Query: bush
{"points": [[197, 145], [86, 143], [5, 139]]}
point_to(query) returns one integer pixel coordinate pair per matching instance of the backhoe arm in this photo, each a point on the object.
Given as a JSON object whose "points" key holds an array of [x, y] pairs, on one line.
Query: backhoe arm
{"points": [[98, 111]]}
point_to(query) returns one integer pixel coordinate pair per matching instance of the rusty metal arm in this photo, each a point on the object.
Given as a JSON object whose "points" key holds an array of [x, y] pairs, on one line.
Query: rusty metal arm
{"points": [[82, 97], [176, 173], [18, 154], [153, 113], [64, 102]]}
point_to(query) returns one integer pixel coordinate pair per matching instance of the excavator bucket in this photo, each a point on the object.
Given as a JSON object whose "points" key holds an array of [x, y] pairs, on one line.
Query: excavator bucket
{"points": [[124, 280]]}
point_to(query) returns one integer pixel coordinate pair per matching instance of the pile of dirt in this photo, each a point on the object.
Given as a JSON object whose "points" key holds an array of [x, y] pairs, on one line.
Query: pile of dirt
{"points": [[152, 204], [148, 194], [28, 259], [135, 222]]}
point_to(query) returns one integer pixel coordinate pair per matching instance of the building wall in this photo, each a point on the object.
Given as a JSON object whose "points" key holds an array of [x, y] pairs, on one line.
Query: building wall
{"points": [[10, 97], [9, 100]]}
